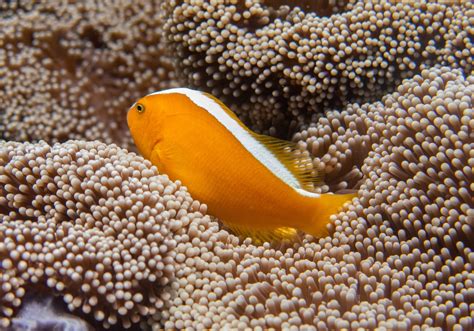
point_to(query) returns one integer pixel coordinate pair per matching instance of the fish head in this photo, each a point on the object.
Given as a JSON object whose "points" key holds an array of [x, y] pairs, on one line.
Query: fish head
{"points": [[144, 120], [153, 115]]}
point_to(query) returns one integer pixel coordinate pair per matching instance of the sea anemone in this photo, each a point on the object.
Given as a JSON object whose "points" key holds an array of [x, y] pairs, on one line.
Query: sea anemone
{"points": [[276, 63], [399, 257], [379, 93], [133, 246], [71, 70], [92, 223]]}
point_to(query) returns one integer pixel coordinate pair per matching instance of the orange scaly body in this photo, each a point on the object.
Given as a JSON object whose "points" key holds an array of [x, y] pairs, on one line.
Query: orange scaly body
{"points": [[192, 137]]}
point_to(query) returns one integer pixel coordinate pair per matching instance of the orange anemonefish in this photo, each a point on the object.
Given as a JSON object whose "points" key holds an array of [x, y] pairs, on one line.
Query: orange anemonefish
{"points": [[254, 184]]}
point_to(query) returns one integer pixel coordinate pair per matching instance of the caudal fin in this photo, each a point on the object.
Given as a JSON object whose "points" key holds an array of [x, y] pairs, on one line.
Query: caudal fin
{"points": [[327, 205]]}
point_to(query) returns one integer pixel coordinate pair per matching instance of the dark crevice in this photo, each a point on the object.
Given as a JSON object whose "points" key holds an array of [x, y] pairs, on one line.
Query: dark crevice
{"points": [[93, 36], [323, 8]]}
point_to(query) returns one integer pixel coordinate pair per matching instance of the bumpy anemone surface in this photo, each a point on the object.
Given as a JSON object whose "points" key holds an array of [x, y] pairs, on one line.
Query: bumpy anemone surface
{"points": [[92, 223], [277, 64], [70, 70], [399, 257]]}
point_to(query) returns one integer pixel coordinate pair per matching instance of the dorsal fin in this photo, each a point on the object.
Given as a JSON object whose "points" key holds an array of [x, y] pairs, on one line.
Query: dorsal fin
{"points": [[288, 153], [294, 159], [227, 110]]}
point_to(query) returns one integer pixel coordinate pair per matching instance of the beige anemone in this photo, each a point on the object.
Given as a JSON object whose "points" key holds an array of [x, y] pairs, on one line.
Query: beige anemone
{"points": [[277, 64], [399, 257], [92, 223], [100, 227], [71, 70]]}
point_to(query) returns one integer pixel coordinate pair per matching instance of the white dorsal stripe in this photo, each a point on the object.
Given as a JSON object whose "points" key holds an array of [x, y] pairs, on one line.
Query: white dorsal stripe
{"points": [[258, 150]]}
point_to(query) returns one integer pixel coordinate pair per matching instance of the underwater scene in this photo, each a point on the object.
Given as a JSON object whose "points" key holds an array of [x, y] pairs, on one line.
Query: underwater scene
{"points": [[236, 165]]}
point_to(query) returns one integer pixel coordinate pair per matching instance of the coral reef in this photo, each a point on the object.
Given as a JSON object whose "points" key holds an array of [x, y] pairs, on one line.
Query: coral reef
{"points": [[71, 70], [276, 66]]}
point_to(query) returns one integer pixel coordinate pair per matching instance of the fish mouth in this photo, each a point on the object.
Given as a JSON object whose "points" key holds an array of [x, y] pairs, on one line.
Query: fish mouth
{"points": [[128, 119], [129, 112]]}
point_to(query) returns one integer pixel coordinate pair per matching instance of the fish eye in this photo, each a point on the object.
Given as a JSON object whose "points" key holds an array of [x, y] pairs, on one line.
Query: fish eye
{"points": [[140, 108]]}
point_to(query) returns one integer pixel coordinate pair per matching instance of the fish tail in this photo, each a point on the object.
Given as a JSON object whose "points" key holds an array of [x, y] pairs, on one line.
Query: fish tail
{"points": [[327, 205]]}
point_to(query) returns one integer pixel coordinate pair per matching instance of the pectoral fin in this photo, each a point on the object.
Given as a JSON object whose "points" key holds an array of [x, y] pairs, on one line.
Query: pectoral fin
{"points": [[159, 157], [155, 157]]}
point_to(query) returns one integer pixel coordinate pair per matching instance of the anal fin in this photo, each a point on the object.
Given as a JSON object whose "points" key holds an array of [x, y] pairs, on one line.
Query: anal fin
{"points": [[259, 236]]}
